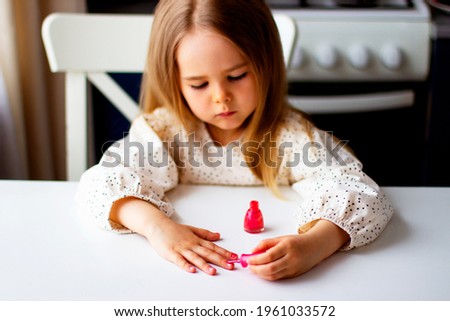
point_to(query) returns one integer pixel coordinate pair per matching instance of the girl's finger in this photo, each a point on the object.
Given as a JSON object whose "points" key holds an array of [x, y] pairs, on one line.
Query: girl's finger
{"points": [[205, 234], [270, 257], [216, 255], [271, 276], [198, 261], [182, 263], [271, 271], [219, 250], [265, 245]]}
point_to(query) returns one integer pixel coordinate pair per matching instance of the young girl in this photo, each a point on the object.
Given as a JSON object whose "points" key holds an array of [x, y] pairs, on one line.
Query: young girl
{"points": [[215, 80]]}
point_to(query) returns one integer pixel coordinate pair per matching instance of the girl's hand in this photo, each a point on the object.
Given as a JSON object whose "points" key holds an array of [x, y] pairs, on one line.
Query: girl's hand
{"points": [[285, 257], [291, 255], [188, 247]]}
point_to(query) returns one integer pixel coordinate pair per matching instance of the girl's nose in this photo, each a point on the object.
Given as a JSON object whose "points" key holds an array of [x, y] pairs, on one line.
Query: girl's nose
{"points": [[221, 95]]}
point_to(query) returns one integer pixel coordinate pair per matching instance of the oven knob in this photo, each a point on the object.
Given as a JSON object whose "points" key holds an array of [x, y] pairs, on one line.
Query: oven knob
{"points": [[326, 56], [391, 57], [359, 56], [298, 58]]}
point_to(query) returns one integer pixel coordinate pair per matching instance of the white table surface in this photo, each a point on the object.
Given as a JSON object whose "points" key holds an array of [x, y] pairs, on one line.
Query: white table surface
{"points": [[50, 252]]}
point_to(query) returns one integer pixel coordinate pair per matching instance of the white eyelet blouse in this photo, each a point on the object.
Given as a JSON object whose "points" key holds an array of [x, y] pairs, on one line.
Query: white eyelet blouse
{"points": [[156, 156]]}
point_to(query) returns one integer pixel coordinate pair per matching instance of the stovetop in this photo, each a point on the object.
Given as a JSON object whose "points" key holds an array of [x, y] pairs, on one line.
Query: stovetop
{"points": [[353, 10], [342, 4]]}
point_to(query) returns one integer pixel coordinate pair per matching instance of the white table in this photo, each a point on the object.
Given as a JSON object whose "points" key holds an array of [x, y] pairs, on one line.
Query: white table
{"points": [[49, 252]]}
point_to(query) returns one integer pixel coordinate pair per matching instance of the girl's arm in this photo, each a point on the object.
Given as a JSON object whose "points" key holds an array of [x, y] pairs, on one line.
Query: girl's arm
{"points": [[291, 255], [186, 246]]}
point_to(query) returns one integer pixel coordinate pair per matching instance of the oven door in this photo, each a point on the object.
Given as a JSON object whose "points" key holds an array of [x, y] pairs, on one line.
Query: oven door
{"points": [[384, 124]]}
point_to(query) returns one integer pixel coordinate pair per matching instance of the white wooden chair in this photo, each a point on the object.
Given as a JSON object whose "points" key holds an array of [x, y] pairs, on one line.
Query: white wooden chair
{"points": [[86, 47]]}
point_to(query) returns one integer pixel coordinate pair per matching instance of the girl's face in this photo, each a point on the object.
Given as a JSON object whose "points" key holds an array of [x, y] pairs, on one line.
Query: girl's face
{"points": [[217, 83]]}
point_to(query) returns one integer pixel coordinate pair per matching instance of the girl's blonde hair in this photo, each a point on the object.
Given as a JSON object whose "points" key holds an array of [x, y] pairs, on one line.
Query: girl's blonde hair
{"points": [[250, 26]]}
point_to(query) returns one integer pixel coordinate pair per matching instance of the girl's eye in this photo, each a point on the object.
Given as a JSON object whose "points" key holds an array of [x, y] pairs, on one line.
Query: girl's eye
{"points": [[199, 86], [237, 78]]}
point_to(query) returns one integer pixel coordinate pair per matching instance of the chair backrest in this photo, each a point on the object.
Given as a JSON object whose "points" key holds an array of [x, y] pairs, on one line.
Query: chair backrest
{"points": [[86, 47]]}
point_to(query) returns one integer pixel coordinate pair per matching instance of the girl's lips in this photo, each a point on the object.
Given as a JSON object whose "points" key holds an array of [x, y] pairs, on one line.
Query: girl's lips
{"points": [[226, 114]]}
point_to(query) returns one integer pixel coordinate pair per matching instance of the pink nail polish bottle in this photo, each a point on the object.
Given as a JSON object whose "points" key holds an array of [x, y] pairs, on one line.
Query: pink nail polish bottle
{"points": [[253, 221]]}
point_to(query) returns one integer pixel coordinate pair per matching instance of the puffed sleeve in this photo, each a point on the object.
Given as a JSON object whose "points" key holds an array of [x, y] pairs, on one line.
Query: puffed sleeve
{"points": [[136, 166], [332, 186]]}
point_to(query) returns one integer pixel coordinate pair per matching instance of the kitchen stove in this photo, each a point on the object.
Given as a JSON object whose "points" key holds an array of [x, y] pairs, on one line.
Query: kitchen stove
{"points": [[361, 69], [353, 40]]}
